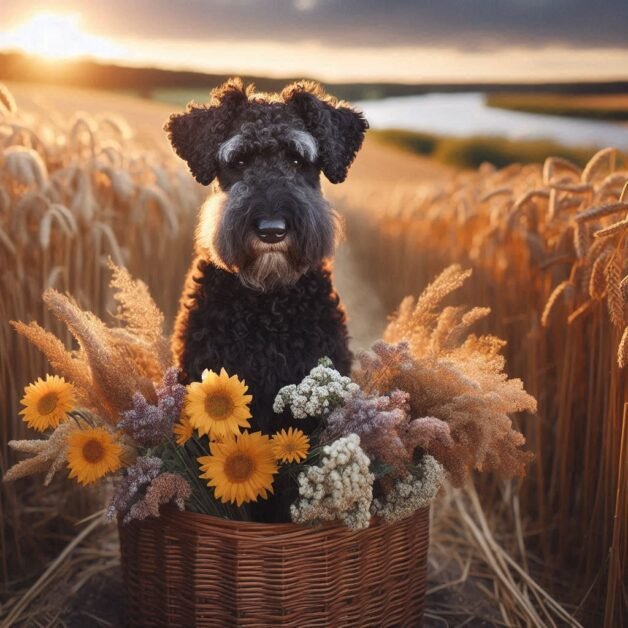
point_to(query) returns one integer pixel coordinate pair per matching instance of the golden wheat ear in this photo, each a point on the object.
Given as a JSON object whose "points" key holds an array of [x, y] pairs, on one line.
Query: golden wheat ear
{"points": [[63, 361]]}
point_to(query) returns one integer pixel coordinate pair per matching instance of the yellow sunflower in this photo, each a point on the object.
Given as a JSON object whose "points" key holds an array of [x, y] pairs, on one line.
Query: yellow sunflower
{"points": [[92, 453], [290, 446], [47, 403], [183, 430], [218, 406], [241, 469]]}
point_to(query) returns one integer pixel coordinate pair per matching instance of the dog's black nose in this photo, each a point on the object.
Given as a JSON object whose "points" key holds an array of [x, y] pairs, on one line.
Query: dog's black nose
{"points": [[271, 231]]}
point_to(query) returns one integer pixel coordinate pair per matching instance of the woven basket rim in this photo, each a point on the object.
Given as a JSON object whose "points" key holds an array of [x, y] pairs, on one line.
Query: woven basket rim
{"points": [[200, 521], [179, 572]]}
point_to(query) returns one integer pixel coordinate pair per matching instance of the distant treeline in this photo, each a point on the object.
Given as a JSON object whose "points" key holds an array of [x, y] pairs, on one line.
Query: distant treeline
{"points": [[471, 152], [612, 107], [143, 81]]}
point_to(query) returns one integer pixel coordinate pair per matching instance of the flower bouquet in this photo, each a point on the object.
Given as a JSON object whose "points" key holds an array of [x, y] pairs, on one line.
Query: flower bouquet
{"points": [[430, 401]]}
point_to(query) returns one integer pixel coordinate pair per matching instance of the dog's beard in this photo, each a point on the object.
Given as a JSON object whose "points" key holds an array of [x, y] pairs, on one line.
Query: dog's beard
{"points": [[270, 267], [259, 266]]}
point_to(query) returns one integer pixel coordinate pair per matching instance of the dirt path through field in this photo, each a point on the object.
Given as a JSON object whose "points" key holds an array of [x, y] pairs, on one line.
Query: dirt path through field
{"points": [[382, 166], [376, 164]]}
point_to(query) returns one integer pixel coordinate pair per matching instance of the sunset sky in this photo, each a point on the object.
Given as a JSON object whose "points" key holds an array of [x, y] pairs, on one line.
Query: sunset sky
{"points": [[397, 40]]}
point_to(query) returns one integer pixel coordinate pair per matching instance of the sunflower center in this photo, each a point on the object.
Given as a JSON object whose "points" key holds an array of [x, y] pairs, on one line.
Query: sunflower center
{"points": [[219, 406], [48, 403], [93, 451], [239, 467]]}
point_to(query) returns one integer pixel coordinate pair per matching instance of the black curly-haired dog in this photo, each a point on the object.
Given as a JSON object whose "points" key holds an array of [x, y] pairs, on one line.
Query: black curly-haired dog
{"points": [[258, 298]]}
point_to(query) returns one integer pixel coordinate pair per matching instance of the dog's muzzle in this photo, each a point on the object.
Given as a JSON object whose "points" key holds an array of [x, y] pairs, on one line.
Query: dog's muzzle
{"points": [[271, 231]]}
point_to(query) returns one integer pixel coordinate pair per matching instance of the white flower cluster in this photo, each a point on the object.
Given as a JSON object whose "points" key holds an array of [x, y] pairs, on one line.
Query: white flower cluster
{"points": [[340, 487], [409, 494], [317, 394]]}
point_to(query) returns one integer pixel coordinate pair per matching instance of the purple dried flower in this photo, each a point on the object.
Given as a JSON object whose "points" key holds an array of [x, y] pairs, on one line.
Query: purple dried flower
{"points": [[378, 421], [165, 488], [135, 478], [171, 393], [363, 414], [386, 432], [148, 424]]}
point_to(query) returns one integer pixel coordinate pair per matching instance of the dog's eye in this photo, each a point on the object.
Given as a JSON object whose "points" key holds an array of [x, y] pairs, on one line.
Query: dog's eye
{"points": [[297, 161]]}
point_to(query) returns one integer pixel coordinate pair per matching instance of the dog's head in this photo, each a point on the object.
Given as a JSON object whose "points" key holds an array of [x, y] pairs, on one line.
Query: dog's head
{"points": [[269, 221]]}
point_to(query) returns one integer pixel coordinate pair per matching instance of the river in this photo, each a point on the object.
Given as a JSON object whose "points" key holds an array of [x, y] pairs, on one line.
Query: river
{"points": [[467, 114]]}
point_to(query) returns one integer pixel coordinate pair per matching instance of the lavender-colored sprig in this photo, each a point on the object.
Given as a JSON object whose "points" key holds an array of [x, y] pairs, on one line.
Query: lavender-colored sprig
{"points": [[164, 489], [171, 393], [386, 431], [148, 424], [363, 414], [136, 477]]}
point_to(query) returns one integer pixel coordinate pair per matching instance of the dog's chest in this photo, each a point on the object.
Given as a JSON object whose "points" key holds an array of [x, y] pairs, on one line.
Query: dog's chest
{"points": [[270, 340], [275, 331]]}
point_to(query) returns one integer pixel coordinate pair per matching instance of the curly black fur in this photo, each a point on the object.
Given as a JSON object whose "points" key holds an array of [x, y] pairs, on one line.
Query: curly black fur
{"points": [[338, 128], [270, 339], [197, 133]]}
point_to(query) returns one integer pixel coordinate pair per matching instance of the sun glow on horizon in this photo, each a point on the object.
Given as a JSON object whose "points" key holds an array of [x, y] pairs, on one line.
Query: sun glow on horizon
{"points": [[57, 36], [65, 36]]}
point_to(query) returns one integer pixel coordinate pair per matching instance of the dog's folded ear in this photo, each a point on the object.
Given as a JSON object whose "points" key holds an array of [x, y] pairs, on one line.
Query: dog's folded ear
{"points": [[338, 129], [196, 134]]}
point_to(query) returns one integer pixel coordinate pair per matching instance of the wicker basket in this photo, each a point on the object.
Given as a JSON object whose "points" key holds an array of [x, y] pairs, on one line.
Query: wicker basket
{"points": [[186, 569]]}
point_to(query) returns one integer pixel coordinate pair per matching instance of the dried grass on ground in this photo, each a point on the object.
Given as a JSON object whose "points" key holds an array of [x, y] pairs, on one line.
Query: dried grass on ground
{"points": [[548, 247]]}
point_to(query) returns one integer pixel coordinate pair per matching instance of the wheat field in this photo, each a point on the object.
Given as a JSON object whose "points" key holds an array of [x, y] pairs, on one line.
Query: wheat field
{"points": [[75, 190], [547, 245]]}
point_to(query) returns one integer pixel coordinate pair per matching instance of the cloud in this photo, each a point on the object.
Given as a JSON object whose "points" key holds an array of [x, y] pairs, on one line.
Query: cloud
{"points": [[459, 24], [448, 23], [305, 5]]}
